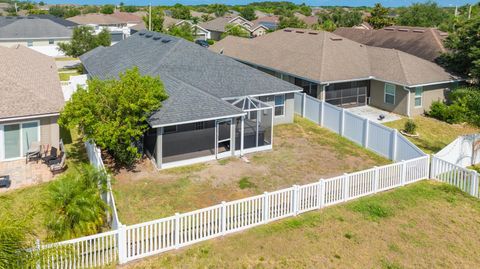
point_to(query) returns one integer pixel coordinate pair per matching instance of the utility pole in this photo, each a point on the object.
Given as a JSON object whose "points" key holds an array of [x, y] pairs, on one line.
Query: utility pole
{"points": [[150, 17]]}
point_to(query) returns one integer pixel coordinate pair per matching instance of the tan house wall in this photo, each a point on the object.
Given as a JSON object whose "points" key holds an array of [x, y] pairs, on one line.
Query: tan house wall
{"points": [[36, 42], [377, 98], [289, 108], [49, 131], [430, 95], [259, 32]]}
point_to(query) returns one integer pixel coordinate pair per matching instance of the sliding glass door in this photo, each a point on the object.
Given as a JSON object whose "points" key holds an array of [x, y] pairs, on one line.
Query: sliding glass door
{"points": [[18, 137]]}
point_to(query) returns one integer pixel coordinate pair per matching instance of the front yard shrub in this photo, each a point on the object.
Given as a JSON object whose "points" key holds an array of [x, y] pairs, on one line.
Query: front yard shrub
{"points": [[463, 106], [76, 207], [410, 126]]}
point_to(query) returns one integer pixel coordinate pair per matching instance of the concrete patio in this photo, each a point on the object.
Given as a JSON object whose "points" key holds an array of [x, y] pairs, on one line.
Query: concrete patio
{"points": [[373, 114], [24, 174]]}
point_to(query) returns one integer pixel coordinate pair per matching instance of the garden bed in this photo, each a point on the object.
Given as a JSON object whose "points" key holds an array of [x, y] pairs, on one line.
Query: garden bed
{"points": [[302, 153]]}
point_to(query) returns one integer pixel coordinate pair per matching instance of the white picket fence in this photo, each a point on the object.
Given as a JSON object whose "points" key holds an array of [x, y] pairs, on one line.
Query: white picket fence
{"points": [[137, 241], [462, 178]]}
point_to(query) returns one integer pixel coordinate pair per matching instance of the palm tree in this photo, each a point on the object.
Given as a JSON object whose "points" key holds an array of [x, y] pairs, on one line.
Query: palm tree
{"points": [[14, 238], [75, 204]]}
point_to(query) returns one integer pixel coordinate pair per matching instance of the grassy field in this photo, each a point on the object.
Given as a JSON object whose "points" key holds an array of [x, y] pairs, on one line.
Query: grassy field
{"points": [[302, 153], [434, 134], [28, 203], [65, 76], [424, 225]]}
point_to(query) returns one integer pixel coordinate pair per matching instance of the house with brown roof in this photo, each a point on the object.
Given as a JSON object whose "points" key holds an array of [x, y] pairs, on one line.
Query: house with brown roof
{"points": [[426, 43], [217, 26], [343, 72], [30, 101]]}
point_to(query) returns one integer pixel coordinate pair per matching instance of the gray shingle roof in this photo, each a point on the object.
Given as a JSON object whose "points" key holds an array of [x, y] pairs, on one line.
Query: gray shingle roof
{"points": [[30, 27], [195, 78]]}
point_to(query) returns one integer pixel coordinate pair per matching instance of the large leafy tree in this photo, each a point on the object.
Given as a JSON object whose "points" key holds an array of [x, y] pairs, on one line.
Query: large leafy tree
{"points": [[248, 13], [180, 12], [463, 56], [184, 31], [83, 40], [157, 19], [75, 205], [427, 14], [107, 9], [235, 30], [114, 112], [340, 18], [291, 22], [379, 17], [218, 9]]}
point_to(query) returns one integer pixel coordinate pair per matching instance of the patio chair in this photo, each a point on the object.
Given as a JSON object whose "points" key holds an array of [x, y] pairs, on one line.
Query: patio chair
{"points": [[59, 166], [33, 152], [52, 156], [5, 181]]}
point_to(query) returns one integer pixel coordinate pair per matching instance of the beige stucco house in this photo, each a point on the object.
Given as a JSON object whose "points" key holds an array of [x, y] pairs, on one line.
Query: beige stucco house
{"points": [[343, 72], [217, 26], [30, 101]]}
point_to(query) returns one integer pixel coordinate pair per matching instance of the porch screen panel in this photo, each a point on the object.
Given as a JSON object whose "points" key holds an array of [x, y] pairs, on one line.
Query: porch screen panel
{"points": [[30, 134], [12, 141], [189, 141], [265, 128], [251, 126]]}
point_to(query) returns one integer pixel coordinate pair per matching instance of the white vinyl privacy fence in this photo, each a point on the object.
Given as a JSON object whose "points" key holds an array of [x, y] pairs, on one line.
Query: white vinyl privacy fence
{"points": [[463, 151], [460, 177], [132, 242], [381, 139]]}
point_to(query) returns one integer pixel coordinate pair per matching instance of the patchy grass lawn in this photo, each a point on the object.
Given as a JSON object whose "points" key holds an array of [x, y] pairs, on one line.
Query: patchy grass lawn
{"points": [[66, 59], [424, 225], [28, 203], [434, 134], [65, 76], [302, 153]]}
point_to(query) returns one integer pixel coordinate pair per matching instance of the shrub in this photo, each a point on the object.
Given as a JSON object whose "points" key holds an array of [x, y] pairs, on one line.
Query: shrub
{"points": [[210, 41], [410, 126]]}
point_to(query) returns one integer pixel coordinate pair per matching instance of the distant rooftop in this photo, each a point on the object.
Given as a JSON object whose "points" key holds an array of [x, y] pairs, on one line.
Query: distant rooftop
{"points": [[31, 27]]}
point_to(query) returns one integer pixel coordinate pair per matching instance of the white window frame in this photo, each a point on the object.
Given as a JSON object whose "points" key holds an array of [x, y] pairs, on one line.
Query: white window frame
{"points": [[29, 43], [385, 93], [282, 105], [2, 138], [420, 96]]}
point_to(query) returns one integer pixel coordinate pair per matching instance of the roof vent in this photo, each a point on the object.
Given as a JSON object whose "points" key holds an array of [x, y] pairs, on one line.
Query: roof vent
{"points": [[156, 38], [8, 17], [336, 38], [166, 40], [300, 32], [287, 30], [312, 33], [403, 30], [418, 31], [141, 33], [389, 29], [148, 35]]}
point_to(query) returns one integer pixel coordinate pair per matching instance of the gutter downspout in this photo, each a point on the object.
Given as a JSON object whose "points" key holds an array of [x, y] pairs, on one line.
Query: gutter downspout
{"points": [[408, 100]]}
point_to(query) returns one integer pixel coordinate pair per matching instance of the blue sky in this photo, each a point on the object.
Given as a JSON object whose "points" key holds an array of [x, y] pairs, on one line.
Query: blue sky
{"points": [[391, 3]]}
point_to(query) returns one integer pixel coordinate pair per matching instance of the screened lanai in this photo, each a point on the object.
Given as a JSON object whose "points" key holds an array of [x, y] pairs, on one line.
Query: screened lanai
{"points": [[214, 138]]}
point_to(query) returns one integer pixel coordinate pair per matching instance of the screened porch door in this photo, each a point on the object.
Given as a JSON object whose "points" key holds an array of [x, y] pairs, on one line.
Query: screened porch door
{"points": [[223, 138]]}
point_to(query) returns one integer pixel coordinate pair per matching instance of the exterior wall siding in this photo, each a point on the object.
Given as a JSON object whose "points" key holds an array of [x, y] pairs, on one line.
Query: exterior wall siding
{"points": [[430, 95], [36, 42], [289, 108], [377, 98]]}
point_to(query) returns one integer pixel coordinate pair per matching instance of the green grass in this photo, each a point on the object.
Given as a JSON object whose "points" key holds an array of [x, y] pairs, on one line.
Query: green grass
{"points": [[422, 228], [434, 135], [66, 59], [245, 183], [66, 76]]}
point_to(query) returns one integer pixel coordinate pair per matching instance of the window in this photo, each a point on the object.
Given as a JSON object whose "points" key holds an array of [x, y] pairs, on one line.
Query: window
{"points": [[51, 41], [418, 96], [280, 105], [170, 129], [29, 43], [18, 137], [389, 93]]}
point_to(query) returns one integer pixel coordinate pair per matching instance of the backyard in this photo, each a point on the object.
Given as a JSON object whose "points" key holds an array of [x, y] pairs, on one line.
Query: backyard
{"points": [[434, 135], [423, 225], [302, 153]]}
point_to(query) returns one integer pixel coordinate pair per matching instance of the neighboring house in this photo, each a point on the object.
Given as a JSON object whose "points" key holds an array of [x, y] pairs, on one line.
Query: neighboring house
{"points": [[40, 34], [363, 26], [168, 22], [426, 43], [217, 107], [30, 101], [217, 26], [344, 72], [118, 23], [308, 20], [61, 21], [270, 21]]}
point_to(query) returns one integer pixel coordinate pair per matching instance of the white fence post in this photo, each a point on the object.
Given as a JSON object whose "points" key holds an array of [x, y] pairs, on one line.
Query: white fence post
{"points": [[304, 104], [394, 145], [342, 122], [366, 130], [224, 217], [321, 193], [266, 208], [38, 249], [322, 113], [432, 167], [375, 179], [404, 172], [295, 200], [346, 186], [474, 185], [122, 244], [177, 230]]}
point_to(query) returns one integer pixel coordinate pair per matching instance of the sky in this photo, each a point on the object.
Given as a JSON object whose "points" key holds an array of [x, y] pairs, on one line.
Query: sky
{"points": [[389, 3]]}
